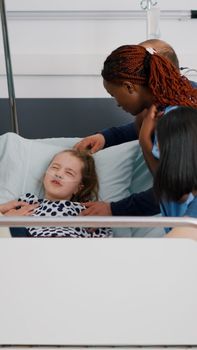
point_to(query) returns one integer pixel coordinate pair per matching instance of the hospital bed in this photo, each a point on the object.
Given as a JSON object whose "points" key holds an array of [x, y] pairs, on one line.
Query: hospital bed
{"points": [[76, 293], [121, 292]]}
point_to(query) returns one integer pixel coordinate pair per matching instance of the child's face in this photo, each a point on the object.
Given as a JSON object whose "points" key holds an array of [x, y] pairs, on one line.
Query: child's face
{"points": [[63, 177]]}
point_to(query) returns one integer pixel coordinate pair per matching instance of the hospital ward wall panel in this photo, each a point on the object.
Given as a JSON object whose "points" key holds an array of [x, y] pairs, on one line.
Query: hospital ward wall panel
{"points": [[58, 48], [40, 118]]}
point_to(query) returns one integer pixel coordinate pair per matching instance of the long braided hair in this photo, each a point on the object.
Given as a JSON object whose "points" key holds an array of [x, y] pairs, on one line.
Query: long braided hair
{"points": [[137, 65]]}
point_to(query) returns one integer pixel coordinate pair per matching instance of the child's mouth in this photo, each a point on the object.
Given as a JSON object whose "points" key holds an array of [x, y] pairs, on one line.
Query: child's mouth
{"points": [[56, 182]]}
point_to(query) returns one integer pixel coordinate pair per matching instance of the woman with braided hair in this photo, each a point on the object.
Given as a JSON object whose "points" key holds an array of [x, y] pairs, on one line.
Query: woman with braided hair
{"points": [[140, 80], [142, 77]]}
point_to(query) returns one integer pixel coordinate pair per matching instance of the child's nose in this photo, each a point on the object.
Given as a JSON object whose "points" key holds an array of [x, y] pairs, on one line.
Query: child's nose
{"points": [[59, 174]]}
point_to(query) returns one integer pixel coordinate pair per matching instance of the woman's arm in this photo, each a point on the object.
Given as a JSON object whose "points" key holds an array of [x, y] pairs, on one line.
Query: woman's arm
{"points": [[109, 137]]}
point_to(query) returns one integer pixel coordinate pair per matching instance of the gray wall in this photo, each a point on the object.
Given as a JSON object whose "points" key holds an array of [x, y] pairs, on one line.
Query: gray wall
{"points": [[40, 118]]}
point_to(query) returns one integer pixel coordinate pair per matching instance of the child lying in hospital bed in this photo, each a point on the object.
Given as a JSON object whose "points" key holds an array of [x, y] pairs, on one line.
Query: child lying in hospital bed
{"points": [[70, 179], [120, 169], [116, 166]]}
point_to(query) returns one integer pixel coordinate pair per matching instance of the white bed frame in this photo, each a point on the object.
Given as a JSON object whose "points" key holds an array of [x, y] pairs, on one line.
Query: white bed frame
{"points": [[98, 292]]}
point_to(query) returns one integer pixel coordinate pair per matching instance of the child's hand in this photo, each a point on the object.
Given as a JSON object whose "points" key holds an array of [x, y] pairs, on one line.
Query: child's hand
{"points": [[24, 210]]}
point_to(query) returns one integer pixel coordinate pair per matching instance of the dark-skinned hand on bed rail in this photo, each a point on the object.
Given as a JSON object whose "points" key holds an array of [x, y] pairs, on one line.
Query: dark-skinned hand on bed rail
{"points": [[140, 80]]}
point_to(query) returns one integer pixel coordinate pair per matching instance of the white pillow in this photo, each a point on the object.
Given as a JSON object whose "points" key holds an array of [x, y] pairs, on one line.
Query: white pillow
{"points": [[22, 164], [24, 161], [115, 165]]}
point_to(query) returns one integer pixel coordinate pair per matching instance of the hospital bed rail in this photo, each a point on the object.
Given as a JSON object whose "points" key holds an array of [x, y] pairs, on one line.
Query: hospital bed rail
{"points": [[99, 221]]}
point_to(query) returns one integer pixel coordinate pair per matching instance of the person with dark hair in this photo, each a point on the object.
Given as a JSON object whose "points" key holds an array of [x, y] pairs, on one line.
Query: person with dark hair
{"points": [[128, 132], [140, 80], [176, 174], [175, 180]]}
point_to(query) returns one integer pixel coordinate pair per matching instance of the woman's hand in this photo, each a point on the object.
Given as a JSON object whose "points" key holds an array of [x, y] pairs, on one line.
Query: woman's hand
{"points": [[148, 125], [24, 210], [5, 207], [145, 137], [96, 208], [93, 143]]}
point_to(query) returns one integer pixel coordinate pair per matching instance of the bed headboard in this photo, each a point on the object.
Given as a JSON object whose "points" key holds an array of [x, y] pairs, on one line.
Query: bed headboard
{"points": [[58, 117]]}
